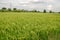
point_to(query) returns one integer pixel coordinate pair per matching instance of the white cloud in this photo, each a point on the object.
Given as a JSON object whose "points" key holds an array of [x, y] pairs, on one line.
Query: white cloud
{"points": [[49, 0], [25, 2], [49, 7], [30, 4], [35, 0], [24, 5]]}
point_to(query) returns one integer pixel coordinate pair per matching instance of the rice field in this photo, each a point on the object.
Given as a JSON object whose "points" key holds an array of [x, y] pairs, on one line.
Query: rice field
{"points": [[29, 26]]}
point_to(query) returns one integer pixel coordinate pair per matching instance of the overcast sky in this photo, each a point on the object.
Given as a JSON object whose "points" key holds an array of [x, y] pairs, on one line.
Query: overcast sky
{"points": [[53, 5]]}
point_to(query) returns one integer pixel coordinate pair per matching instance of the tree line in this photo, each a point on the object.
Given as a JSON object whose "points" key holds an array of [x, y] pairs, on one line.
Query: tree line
{"points": [[18, 10]]}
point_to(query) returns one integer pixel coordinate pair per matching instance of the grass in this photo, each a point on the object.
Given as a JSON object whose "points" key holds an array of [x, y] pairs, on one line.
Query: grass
{"points": [[29, 26]]}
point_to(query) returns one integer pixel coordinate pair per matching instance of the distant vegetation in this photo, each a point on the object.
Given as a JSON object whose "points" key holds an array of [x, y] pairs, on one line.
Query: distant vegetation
{"points": [[44, 11], [4, 9]]}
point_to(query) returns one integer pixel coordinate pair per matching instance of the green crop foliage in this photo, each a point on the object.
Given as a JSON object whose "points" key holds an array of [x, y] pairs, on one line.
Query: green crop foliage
{"points": [[29, 26]]}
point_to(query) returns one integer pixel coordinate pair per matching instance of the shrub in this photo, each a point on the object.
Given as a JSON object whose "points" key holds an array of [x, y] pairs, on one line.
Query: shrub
{"points": [[9, 9], [58, 12], [14, 9], [3, 9], [44, 11], [50, 11]]}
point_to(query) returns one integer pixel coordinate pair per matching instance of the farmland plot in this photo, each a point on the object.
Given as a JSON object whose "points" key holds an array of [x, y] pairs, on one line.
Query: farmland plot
{"points": [[29, 26]]}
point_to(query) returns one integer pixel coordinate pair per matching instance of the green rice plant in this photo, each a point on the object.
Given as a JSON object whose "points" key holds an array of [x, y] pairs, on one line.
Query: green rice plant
{"points": [[29, 26]]}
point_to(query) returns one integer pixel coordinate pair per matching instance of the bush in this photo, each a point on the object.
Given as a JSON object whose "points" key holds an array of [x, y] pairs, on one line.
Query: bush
{"points": [[9, 9], [50, 11], [4, 9], [58, 12], [44, 11], [14, 9], [34, 11]]}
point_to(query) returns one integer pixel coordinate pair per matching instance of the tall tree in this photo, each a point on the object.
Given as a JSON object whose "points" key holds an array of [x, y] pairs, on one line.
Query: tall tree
{"points": [[50, 11], [9, 9], [44, 11], [14, 9], [3, 9]]}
